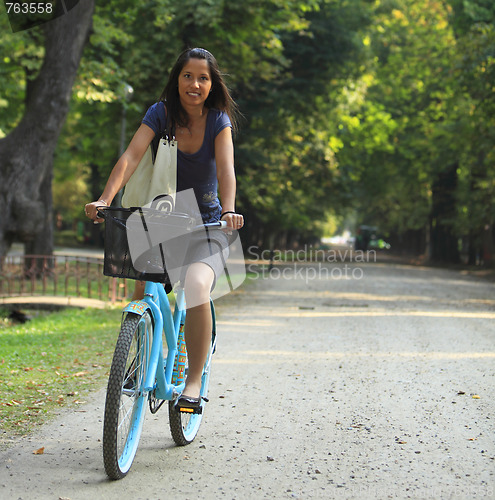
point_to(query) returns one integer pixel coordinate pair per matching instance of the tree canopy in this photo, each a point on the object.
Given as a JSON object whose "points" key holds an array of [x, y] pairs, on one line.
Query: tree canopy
{"points": [[379, 111]]}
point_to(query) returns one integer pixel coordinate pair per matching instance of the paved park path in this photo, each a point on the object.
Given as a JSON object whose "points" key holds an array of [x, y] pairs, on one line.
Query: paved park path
{"points": [[375, 382]]}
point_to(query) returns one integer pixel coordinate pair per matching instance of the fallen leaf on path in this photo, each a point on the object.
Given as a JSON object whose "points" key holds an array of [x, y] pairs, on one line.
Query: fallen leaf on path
{"points": [[39, 451], [475, 396]]}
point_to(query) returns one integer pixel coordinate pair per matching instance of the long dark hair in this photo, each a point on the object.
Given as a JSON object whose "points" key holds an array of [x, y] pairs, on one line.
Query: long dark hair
{"points": [[219, 97]]}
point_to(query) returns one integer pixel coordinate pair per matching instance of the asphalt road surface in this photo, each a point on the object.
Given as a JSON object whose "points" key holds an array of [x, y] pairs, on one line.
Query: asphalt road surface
{"points": [[334, 380]]}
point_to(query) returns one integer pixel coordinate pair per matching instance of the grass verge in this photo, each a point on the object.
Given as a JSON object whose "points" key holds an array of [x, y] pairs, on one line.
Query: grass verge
{"points": [[51, 362]]}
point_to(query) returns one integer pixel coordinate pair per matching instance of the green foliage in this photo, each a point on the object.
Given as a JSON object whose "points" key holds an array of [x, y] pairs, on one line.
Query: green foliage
{"points": [[425, 103], [21, 56], [400, 107], [349, 106], [288, 175], [466, 13], [263, 48]]}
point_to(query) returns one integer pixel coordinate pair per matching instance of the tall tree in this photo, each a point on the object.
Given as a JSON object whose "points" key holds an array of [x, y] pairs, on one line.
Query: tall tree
{"points": [[398, 149], [473, 22], [26, 153]]}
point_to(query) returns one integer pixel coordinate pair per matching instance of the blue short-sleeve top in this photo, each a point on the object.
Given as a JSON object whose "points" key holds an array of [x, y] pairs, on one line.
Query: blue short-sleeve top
{"points": [[198, 170]]}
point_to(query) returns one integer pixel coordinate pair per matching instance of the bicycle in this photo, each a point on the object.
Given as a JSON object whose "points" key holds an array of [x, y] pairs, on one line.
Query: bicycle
{"points": [[140, 373]]}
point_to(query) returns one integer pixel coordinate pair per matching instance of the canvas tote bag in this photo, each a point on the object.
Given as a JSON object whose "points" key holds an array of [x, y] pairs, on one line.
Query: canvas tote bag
{"points": [[155, 181]]}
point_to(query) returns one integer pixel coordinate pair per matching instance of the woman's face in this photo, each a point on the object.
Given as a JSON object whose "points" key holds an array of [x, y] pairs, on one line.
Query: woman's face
{"points": [[194, 82]]}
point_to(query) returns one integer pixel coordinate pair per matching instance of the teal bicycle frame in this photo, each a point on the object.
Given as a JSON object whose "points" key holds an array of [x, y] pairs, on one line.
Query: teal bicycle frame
{"points": [[141, 373], [159, 371], [160, 380]]}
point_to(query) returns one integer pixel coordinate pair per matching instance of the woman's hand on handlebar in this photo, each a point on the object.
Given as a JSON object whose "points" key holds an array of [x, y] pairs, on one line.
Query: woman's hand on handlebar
{"points": [[233, 220], [91, 210]]}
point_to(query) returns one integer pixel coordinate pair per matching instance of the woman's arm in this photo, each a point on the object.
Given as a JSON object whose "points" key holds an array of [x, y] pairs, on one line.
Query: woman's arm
{"points": [[224, 157], [123, 169]]}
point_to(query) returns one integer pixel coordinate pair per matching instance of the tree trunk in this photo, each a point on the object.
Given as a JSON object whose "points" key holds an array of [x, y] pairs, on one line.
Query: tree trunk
{"points": [[488, 246], [26, 154], [443, 239], [481, 203], [473, 248]]}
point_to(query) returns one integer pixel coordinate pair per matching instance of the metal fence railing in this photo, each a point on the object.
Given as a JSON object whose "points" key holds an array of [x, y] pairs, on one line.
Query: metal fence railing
{"points": [[58, 275]]}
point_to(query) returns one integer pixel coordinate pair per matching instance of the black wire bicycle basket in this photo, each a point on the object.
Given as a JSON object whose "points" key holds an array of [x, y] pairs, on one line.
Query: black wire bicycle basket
{"points": [[126, 228]]}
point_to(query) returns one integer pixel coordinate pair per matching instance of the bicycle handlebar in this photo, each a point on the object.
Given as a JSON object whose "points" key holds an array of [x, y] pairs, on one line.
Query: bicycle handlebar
{"points": [[101, 212], [220, 223]]}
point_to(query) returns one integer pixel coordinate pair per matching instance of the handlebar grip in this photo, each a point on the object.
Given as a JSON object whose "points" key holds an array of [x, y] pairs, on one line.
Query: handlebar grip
{"points": [[220, 224]]}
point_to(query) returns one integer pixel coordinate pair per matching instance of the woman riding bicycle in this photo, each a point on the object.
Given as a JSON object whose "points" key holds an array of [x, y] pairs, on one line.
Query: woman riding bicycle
{"points": [[203, 111]]}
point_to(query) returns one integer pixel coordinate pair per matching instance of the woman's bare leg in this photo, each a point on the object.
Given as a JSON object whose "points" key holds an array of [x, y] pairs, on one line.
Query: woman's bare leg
{"points": [[199, 279]]}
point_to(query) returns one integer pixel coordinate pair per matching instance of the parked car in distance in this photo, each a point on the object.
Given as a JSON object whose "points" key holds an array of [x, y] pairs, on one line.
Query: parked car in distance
{"points": [[367, 238]]}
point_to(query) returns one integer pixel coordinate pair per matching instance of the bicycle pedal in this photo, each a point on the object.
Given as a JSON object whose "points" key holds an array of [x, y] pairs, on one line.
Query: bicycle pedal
{"points": [[196, 409], [187, 409]]}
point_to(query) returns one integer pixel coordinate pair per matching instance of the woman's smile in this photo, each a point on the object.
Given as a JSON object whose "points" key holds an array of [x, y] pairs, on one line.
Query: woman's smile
{"points": [[194, 82]]}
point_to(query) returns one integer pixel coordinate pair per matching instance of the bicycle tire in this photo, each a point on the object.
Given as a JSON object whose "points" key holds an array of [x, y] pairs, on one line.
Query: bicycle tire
{"points": [[185, 426], [125, 405]]}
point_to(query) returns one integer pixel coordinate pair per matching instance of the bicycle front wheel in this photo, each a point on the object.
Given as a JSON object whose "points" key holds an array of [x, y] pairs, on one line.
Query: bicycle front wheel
{"points": [[125, 404], [185, 426]]}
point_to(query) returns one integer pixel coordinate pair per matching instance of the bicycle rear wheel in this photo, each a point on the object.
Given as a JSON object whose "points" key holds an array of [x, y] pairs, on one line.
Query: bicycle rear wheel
{"points": [[125, 405], [185, 426]]}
